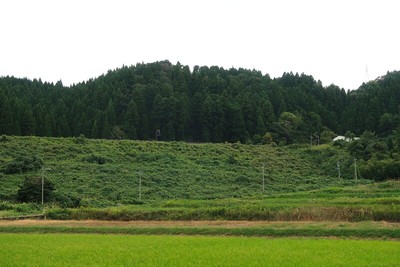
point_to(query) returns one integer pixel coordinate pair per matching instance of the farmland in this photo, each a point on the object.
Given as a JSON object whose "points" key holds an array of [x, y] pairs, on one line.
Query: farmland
{"points": [[120, 250]]}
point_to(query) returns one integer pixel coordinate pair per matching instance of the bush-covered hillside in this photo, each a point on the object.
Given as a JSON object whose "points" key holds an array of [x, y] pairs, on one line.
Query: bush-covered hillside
{"points": [[91, 172]]}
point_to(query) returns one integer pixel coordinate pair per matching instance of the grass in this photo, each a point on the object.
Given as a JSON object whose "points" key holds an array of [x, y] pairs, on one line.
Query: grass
{"points": [[183, 181], [276, 229], [104, 173], [374, 202], [122, 250]]}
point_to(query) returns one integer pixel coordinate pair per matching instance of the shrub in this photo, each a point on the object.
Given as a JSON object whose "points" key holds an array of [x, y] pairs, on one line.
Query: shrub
{"points": [[93, 158], [59, 214], [267, 138], [5, 206], [381, 170], [23, 163], [80, 140], [231, 160], [147, 157], [67, 200], [28, 208], [242, 180], [31, 190], [3, 138]]}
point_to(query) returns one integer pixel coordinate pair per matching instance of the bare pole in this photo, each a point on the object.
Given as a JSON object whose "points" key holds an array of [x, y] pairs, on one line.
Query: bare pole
{"points": [[43, 175], [338, 168], [43, 185], [158, 133], [311, 138], [355, 169]]}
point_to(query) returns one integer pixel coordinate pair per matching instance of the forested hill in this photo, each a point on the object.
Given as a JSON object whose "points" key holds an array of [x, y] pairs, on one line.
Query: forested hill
{"points": [[206, 104]]}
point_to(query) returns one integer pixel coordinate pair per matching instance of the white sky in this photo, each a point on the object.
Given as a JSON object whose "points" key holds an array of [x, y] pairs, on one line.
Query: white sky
{"points": [[74, 40]]}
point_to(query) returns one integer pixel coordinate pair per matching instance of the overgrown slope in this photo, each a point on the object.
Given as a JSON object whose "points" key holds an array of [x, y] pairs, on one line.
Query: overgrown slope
{"points": [[103, 173]]}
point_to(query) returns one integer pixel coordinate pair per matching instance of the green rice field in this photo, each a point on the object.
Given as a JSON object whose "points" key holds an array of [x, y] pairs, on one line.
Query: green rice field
{"points": [[128, 250]]}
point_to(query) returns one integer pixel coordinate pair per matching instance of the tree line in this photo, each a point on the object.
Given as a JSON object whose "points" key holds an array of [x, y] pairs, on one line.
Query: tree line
{"points": [[206, 104]]}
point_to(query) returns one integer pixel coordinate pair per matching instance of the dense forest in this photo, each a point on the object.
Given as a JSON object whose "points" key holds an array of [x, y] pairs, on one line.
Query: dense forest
{"points": [[206, 104]]}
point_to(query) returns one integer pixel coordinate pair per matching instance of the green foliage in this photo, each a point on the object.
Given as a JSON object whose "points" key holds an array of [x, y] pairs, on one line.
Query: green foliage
{"points": [[106, 172], [242, 180], [23, 163], [81, 139], [231, 160], [380, 170], [31, 190], [267, 138], [67, 200], [206, 104], [221, 181], [93, 158], [3, 138], [327, 136], [375, 202]]}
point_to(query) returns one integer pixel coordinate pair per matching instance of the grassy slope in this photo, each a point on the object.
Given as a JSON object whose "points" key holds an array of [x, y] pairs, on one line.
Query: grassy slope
{"points": [[120, 250], [173, 170], [196, 182]]}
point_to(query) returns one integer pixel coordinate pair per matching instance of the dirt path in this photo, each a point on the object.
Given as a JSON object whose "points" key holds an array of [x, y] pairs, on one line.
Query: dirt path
{"points": [[134, 223]]}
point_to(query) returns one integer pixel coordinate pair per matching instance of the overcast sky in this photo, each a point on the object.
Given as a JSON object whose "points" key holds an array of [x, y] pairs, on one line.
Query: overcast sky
{"points": [[74, 40]]}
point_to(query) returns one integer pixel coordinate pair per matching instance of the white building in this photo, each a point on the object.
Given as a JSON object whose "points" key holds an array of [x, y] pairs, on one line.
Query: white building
{"points": [[343, 138]]}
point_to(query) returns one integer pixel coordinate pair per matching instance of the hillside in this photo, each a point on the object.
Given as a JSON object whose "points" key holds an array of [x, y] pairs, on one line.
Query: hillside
{"points": [[99, 179], [206, 104], [106, 172]]}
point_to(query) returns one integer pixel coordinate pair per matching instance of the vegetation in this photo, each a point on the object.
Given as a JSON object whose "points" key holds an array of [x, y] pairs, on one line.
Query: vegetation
{"points": [[31, 190], [380, 230], [206, 104], [95, 250], [275, 128], [106, 173], [99, 179], [361, 203]]}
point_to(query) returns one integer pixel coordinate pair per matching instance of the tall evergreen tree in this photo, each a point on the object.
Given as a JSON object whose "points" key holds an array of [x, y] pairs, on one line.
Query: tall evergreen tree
{"points": [[131, 120], [6, 118]]}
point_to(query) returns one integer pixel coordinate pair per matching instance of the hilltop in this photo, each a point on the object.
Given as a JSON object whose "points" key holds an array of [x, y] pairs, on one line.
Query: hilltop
{"points": [[206, 104]]}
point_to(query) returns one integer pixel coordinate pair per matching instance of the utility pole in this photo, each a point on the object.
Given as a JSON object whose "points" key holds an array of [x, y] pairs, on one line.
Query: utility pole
{"points": [[355, 169], [42, 185], [43, 173], [263, 174], [158, 133], [318, 140], [338, 168]]}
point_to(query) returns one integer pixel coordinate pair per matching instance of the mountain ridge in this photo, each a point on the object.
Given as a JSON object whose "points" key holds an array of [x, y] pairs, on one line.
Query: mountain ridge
{"points": [[207, 104]]}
